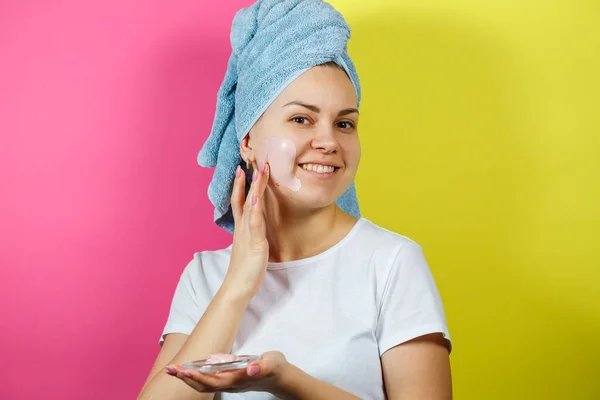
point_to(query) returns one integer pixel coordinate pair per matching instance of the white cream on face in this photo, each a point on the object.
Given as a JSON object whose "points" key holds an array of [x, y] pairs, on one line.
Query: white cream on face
{"points": [[281, 156]]}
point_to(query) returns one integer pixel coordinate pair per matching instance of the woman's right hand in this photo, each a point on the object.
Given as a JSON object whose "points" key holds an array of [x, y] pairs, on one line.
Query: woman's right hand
{"points": [[250, 250]]}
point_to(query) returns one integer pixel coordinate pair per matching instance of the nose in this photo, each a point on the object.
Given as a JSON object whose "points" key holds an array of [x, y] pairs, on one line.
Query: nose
{"points": [[325, 140]]}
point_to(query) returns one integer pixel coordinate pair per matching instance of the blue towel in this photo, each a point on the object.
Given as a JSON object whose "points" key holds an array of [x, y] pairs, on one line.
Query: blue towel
{"points": [[273, 42]]}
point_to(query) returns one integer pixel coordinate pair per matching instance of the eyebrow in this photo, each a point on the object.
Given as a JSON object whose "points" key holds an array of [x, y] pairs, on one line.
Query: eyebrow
{"points": [[317, 110]]}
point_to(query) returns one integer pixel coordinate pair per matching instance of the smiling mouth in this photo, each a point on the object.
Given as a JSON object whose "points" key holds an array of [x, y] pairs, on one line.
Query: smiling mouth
{"points": [[319, 168]]}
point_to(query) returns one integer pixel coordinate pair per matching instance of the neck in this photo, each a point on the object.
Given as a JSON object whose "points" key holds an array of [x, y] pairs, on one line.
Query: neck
{"points": [[294, 234]]}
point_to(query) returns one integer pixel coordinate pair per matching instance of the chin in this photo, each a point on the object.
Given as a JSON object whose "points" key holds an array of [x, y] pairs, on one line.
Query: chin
{"points": [[308, 197]]}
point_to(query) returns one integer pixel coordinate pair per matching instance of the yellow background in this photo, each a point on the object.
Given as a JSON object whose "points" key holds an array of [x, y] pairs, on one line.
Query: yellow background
{"points": [[480, 128]]}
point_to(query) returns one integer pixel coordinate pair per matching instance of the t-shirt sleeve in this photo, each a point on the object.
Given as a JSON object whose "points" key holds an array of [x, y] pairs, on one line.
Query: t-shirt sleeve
{"points": [[411, 305], [185, 312]]}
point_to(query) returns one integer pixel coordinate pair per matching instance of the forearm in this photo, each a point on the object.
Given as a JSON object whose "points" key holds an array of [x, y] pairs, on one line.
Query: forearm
{"points": [[217, 329], [214, 333], [296, 384]]}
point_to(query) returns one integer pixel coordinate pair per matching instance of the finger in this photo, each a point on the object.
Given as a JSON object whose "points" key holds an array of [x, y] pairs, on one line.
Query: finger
{"points": [[253, 370], [256, 216], [270, 364], [255, 178], [265, 175], [187, 378], [200, 382], [259, 184], [238, 193], [260, 179], [219, 381], [259, 369]]}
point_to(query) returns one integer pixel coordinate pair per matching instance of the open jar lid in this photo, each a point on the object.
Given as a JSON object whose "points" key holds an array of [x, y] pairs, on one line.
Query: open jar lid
{"points": [[225, 362]]}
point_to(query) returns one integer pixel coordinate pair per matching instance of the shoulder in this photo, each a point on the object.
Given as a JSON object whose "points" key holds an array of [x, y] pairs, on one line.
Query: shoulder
{"points": [[384, 240], [207, 265], [388, 252], [213, 258]]}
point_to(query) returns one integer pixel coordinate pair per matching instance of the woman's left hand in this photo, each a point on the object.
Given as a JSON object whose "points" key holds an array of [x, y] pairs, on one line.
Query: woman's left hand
{"points": [[262, 376]]}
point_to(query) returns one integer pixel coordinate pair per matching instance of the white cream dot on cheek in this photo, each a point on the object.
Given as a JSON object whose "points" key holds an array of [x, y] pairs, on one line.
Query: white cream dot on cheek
{"points": [[281, 156]]}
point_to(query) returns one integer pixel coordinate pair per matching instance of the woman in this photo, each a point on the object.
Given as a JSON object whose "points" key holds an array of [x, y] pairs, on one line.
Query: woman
{"points": [[338, 307]]}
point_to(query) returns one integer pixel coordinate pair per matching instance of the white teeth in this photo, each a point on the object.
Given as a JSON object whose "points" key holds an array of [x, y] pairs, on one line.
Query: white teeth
{"points": [[318, 168]]}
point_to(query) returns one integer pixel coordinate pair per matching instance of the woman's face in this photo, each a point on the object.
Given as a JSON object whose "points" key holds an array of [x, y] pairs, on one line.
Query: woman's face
{"points": [[318, 113]]}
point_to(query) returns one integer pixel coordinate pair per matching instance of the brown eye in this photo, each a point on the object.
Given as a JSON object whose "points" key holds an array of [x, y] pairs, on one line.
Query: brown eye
{"points": [[345, 125], [300, 120]]}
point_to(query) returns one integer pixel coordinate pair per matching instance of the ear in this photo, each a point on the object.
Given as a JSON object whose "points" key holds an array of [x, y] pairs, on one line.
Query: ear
{"points": [[246, 150]]}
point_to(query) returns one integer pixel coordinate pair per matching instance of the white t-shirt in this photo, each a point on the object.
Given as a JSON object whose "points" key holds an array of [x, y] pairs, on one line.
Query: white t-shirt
{"points": [[332, 315]]}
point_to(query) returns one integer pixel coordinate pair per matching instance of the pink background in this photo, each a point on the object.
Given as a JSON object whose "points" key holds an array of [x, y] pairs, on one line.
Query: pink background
{"points": [[103, 108]]}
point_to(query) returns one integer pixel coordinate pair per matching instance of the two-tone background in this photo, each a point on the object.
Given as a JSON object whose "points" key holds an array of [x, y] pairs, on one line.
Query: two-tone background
{"points": [[481, 141]]}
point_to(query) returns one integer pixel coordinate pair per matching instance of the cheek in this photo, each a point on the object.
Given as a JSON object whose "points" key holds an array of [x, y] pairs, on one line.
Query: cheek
{"points": [[352, 150], [282, 131], [281, 155]]}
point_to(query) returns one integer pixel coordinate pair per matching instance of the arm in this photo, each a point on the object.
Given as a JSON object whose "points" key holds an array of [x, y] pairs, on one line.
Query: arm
{"points": [[296, 384], [412, 333], [218, 327], [418, 369], [215, 333], [272, 374]]}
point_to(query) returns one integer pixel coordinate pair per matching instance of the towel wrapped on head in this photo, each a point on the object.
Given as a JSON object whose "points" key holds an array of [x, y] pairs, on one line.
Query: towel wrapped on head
{"points": [[273, 42]]}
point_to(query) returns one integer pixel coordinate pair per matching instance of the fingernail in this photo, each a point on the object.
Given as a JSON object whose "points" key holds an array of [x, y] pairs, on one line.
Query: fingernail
{"points": [[253, 198], [254, 176], [171, 371], [186, 374], [238, 172], [254, 370], [262, 167]]}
